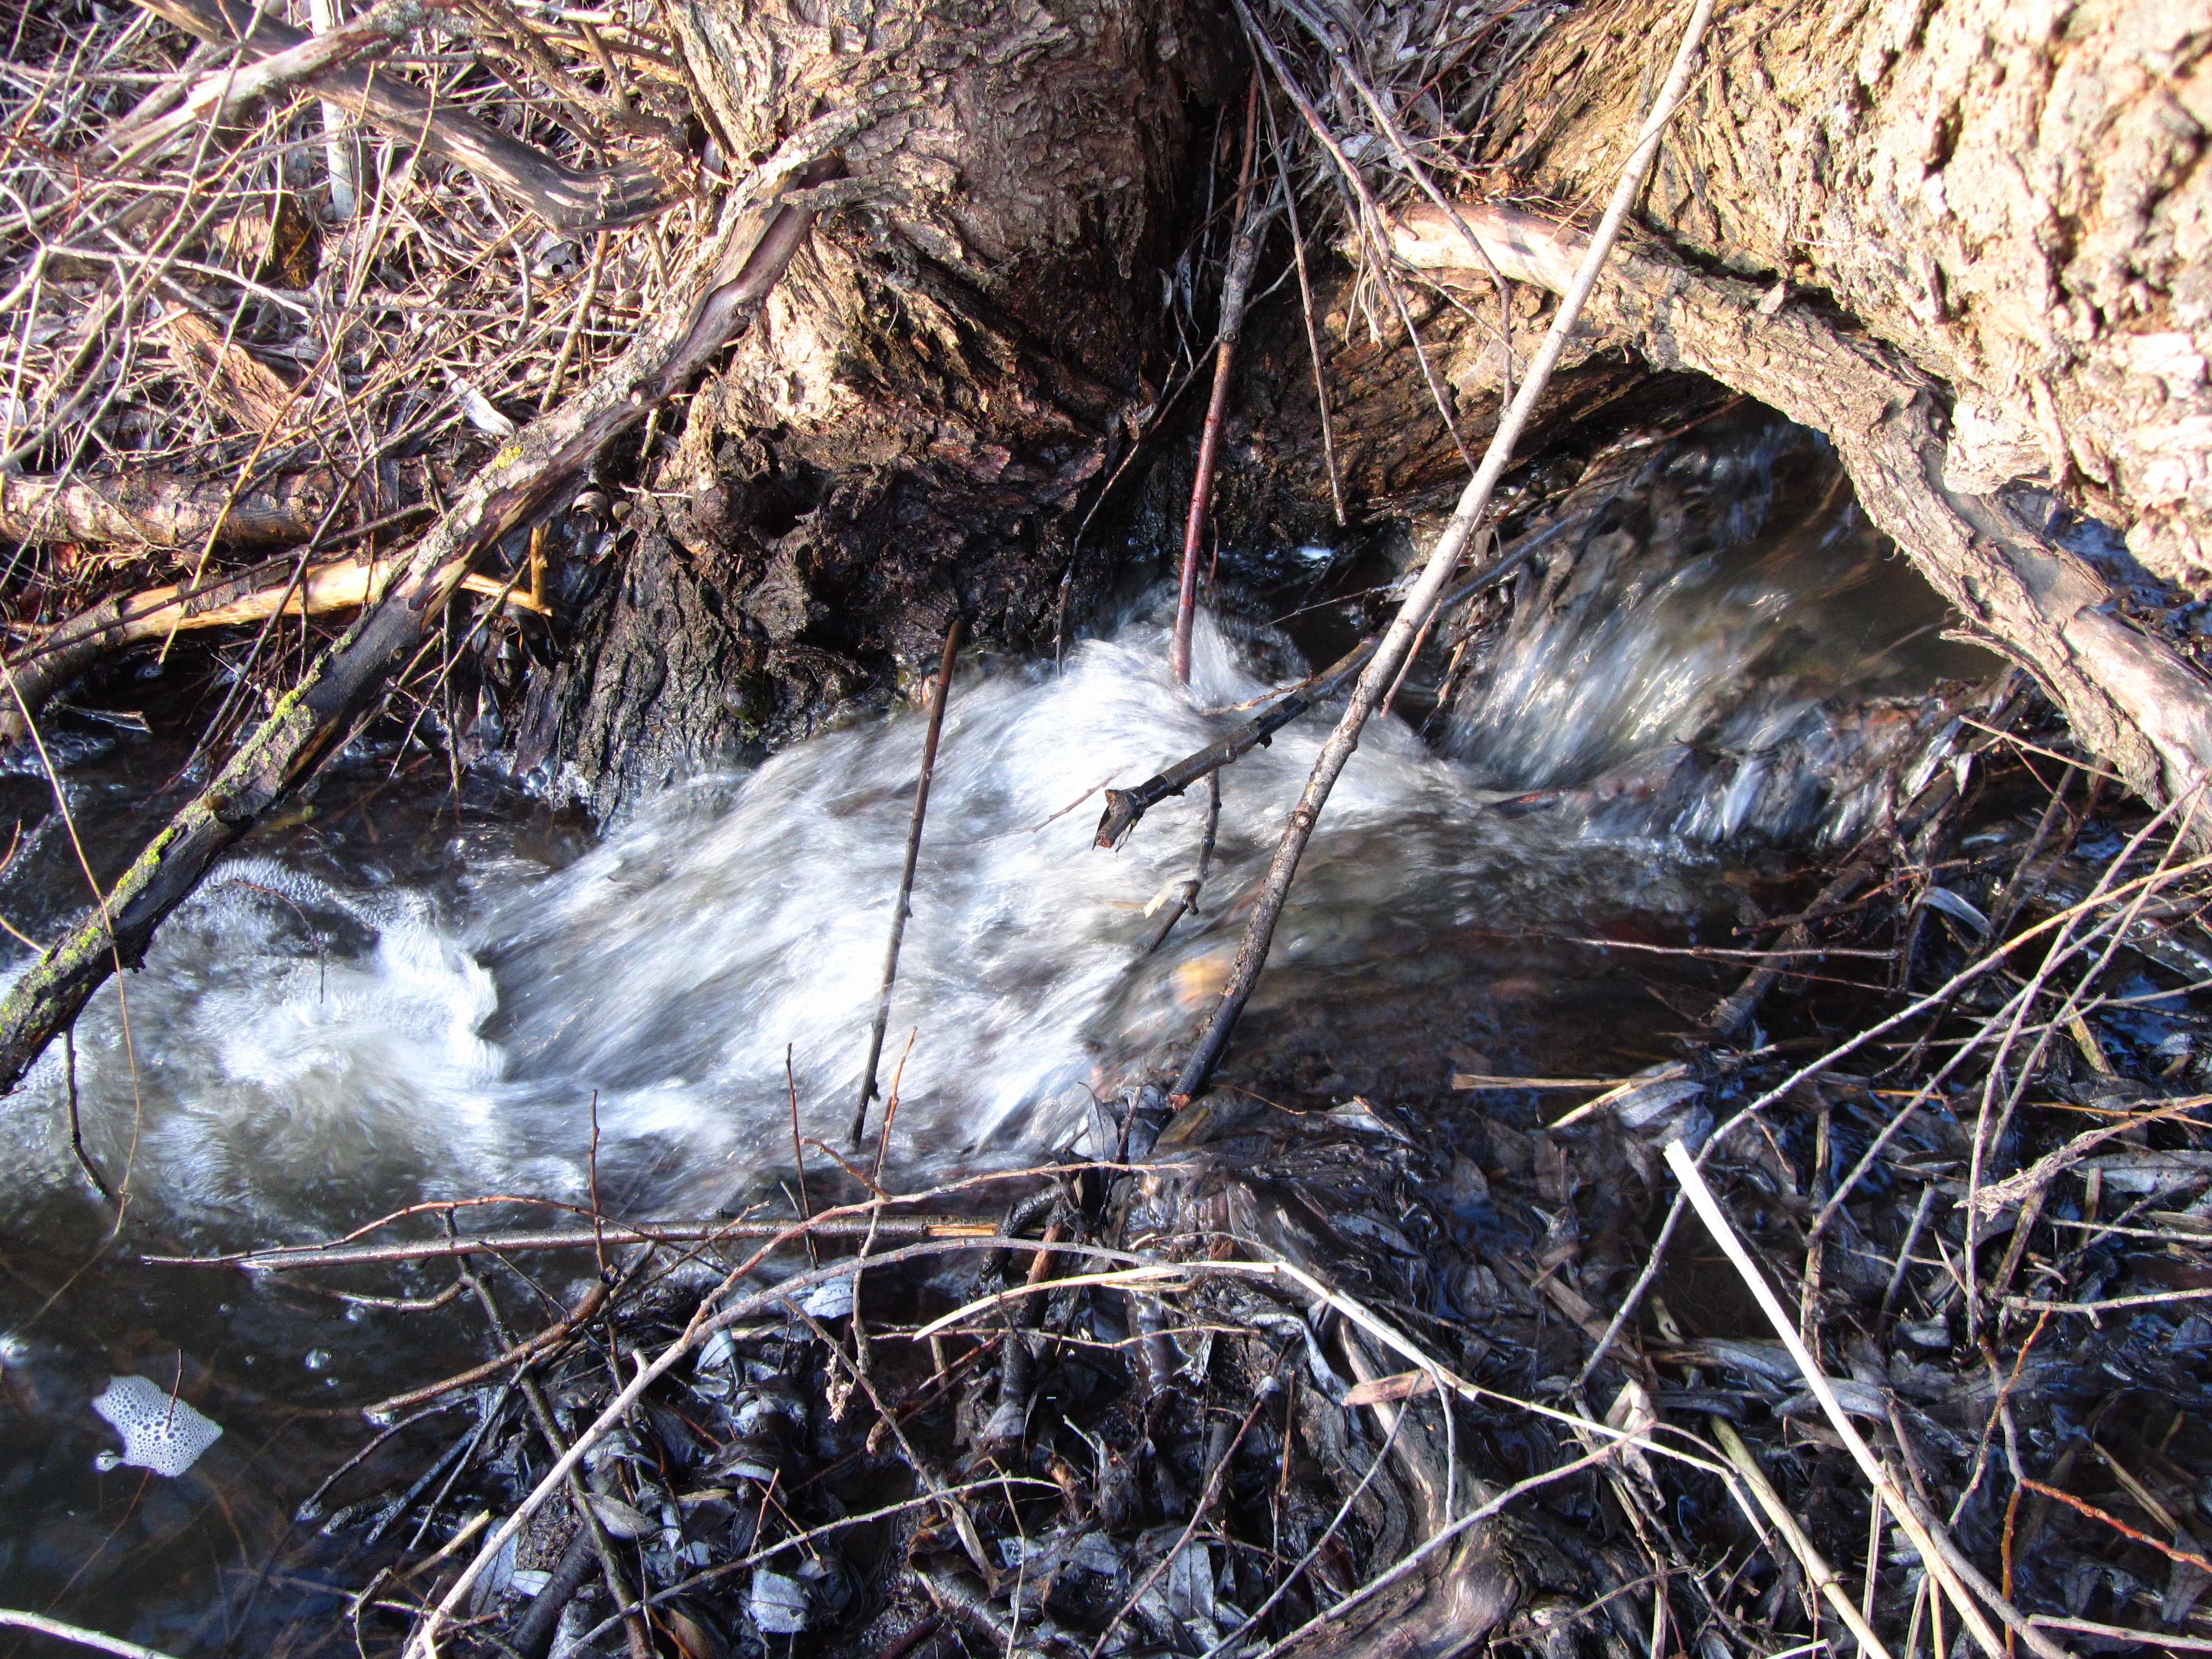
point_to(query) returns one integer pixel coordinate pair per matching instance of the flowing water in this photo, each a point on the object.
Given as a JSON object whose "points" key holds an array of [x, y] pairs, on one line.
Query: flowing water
{"points": [[409, 999]]}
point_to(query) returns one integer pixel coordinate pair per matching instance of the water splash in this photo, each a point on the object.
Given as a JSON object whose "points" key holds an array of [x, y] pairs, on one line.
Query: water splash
{"points": [[310, 1050], [1684, 665]]}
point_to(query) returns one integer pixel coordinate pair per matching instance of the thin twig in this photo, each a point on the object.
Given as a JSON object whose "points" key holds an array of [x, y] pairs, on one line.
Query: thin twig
{"points": [[1443, 559], [1928, 1538], [942, 690], [85, 1639], [1235, 292]]}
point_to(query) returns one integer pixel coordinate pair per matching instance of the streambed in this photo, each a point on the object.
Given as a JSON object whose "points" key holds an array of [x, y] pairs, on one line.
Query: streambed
{"points": [[408, 994]]}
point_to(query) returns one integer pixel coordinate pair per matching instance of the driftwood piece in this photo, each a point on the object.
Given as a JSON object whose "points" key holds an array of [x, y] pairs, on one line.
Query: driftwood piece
{"points": [[2127, 695], [165, 510], [38, 672], [569, 200], [736, 272]]}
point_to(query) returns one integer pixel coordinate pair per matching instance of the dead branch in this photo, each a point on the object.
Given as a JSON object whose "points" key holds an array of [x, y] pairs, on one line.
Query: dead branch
{"points": [[1125, 808], [69, 651], [736, 272], [42, 1626], [1927, 1534], [1236, 294], [569, 200], [1736, 1011], [288, 1258], [222, 96], [166, 509]]}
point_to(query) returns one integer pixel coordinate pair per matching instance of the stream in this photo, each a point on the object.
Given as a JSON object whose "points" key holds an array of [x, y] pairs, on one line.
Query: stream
{"points": [[400, 992]]}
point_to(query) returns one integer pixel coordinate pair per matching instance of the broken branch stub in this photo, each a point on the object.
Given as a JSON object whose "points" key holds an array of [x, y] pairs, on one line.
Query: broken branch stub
{"points": [[312, 721], [1126, 807], [2127, 695]]}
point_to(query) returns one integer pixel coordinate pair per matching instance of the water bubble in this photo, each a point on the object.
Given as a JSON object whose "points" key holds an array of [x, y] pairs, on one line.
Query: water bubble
{"points": [[317, 1358]]}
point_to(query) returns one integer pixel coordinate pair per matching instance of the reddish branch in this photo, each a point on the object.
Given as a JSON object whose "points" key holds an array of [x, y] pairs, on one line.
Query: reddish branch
{"points": [[2117, 1525], [1236, 293]]}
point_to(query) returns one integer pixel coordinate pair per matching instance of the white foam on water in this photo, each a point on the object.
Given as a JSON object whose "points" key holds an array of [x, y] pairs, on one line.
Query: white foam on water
{"points": [[160, 1432], [306, 1054]]}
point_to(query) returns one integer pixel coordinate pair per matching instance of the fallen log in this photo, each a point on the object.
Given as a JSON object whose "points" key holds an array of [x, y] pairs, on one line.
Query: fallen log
{"points": [[568, 199], [734, 274], [2128, 694]]}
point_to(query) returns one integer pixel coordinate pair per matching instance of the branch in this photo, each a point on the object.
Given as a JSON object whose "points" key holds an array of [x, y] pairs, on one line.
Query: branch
{"points": [[220, 95], [165, 509], [1126, 807], [312, 721], [38, 672], [568, 200]]}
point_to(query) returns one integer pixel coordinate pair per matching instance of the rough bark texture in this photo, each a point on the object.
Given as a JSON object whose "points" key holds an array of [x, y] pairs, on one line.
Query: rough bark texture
{"points": [[2012, 193], [944, 368], [946, 379], [2128, 693]]}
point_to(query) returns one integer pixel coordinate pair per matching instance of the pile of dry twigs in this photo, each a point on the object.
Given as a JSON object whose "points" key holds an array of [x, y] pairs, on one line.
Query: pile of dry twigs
{"points": [[242, 318]]}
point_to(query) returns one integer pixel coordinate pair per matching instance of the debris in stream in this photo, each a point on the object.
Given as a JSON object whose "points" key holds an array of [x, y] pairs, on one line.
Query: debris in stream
{"points": [[1369, 1379], [160, 1432]]}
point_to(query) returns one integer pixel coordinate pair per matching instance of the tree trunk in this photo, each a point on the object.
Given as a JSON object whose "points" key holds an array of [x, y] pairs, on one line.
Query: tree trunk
{"points": [[1981, 262], [2012, 196], [945, 385]]}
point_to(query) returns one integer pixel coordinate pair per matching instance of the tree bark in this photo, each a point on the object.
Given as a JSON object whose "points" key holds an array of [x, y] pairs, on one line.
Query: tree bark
{"points": [[2127, 692], [2012, 199]]}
